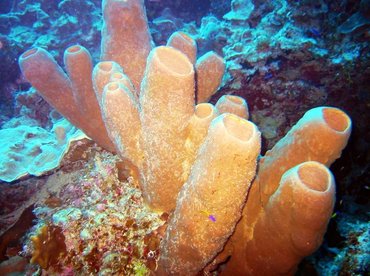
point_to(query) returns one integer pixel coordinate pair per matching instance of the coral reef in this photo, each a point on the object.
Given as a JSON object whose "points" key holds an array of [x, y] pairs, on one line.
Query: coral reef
{"points": [[284, 57], [105, 224], [160, 153]]}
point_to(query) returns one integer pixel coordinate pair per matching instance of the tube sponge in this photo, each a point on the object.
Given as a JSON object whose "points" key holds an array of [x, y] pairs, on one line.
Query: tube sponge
{"points": [[125, 36], [209, 204], [43, 72], [196, 132], [78, 64], [210, 69], [124, 128], [319, 136], [102, 75], [233, 104], [294, 221], [167, 104], [184, 43]]}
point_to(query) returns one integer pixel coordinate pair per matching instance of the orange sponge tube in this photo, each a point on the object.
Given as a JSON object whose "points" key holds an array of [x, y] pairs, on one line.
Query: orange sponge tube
{"points": [[44, 73], [125, 37], [167, 104], [210, 69], [319, 136], [210, 203], [185, 44], [294, 221], [78, 63], [124, 128], [233, 104]]}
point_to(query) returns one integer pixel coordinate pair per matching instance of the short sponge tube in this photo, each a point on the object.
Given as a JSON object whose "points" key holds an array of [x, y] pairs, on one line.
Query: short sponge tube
{"points": [[185, 44], [102, 75], [233, 104]]}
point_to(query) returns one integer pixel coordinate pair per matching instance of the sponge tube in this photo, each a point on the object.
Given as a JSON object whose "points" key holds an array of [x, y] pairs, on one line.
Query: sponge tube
{"points": [[210, 69], [210, 203], [167, 104], [44, 73], [319, 136], [233, 104], [78, 63], [125, 36], [124, 128], [294, 221], [184, 43]]}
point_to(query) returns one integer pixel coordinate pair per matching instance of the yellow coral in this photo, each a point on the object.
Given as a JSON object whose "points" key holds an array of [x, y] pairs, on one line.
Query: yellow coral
{"points": [[48, 246]]}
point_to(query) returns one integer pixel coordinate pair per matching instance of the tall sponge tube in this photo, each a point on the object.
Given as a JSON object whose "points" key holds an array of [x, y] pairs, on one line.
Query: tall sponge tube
{"points": [[210, 203], [78, 64], [43, 72], [121, 116], [167, 104], [125, 36]]}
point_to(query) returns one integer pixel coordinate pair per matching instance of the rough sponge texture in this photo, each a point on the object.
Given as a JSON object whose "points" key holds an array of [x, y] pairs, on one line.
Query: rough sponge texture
{"points": [[192, 162], [167, 104], [210, 203], [320, 135], [60, 91], [125, 36]]}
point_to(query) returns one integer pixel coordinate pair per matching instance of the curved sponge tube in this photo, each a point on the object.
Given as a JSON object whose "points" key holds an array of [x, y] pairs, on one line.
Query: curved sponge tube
{"points": [[319, 136], [294, 221], [210, 203], [43, 72]]}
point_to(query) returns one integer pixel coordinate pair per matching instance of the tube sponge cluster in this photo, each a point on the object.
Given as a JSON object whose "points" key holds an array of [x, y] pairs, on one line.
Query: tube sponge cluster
{"points": [[194, 160], [291, 198]]}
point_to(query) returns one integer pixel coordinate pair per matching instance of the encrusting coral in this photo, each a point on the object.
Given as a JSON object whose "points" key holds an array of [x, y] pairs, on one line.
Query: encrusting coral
{"points": [[48, 246], [197, 162]]}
